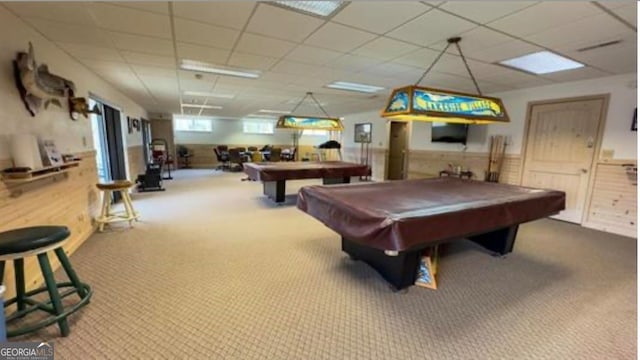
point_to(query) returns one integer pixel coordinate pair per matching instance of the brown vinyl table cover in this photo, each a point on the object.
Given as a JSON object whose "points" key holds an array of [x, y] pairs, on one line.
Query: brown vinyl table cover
{"points": [[403, 215], [266, 171]]}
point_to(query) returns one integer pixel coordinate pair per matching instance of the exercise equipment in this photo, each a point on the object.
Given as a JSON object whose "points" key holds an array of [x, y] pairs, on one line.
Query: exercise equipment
{"points": [[160, 155], [152, 179]]}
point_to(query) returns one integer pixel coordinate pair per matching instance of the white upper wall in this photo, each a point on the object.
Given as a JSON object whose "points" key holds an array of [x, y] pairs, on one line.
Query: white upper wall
{"points": [[617, 135], [229, 131], [53, 123]]}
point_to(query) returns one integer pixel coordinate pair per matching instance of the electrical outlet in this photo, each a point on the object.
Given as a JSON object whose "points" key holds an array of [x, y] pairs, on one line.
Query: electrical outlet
{"points": [[607, 153]]}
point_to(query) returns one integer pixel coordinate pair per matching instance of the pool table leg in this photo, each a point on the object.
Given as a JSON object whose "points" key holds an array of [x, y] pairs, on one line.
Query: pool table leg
{"points": [[331, 181], [498, 241], [274, 190], [400, 271]]}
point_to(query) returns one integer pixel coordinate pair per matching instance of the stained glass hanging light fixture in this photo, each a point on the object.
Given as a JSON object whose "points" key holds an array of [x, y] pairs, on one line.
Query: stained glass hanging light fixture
{"points": [[417, 103]]}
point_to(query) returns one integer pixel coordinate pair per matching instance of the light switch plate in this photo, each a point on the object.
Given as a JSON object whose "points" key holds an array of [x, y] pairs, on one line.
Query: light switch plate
{"points": [[607, 153]]}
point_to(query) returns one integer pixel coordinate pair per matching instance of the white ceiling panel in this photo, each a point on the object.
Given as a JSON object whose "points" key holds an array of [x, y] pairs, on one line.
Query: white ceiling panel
{"points": [[142, 44], [431, 28], [262, 45], [421, 58], [129, 20], [191, 84], [312, 55], [203, 34], [516, 79], [295, 68], [250, 61], [146, 59], [224, 13], [628, 12], [154, 71], [67, 12], [76, 34], [393, 69], [202, 53], [338, 37], [382, 16], [576, 74], [478, 38], [582, 33], [485, 11], [384, 48], [618, 59], [290, 26], [503, 51], [90, 52], [161, 7], [353, 63], [543, 16]]}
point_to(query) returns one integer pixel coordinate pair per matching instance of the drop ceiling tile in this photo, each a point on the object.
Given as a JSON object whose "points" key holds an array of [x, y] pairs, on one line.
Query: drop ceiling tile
{"points": [[614, 4], [582, 33], [393, 69], [385, 49], [381, 16], [191, 84], [250, 61], [107, 67], [485, 11], [209, 35], [282, 24], [262, 45], [142, 44], [473, 40], [517, 79], [628, 12], [90, 52], [353, 63], [202, 53], [431, 28], [76, 34], [146, 59], [295, 68], [503, 51], [575, 74], [161, 7], [338, 37], [228, 14], [154, 71], [543, 16], [618, 59], [421, 58], [71, 13], [312, 55], [129, 20]]}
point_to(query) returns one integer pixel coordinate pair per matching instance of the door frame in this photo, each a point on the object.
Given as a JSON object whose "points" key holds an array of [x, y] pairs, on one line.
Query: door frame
{"points": [[598, 147], [405, 165]]}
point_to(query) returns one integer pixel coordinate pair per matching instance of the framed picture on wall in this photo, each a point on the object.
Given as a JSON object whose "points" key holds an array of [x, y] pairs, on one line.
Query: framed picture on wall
{"points": [[634, 123], [362, 133], [130, 124]]}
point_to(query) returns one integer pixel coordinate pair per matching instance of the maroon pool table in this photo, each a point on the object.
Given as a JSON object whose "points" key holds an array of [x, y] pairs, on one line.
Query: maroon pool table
{"points": [[388, 225], [275, 174]]}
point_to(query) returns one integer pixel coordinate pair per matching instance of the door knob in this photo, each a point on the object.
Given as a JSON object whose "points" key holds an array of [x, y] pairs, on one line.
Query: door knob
{"points": [[590, 142], [584, 171]]}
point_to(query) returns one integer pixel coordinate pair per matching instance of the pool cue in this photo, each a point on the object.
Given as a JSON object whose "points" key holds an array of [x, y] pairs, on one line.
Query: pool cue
{"points": [[504, 150]]}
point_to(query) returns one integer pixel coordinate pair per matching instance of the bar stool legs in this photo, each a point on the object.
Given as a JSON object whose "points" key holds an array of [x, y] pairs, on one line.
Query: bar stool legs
{"points": [[106, 215], [52, 288]]}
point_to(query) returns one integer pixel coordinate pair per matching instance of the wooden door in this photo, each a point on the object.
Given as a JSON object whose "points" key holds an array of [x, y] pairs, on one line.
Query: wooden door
{"points": [[397, 151], [561, 144]]}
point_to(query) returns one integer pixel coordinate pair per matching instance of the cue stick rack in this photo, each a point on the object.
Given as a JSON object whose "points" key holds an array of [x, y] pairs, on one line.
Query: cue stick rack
{"points": [[496, 158], [365, 158]]}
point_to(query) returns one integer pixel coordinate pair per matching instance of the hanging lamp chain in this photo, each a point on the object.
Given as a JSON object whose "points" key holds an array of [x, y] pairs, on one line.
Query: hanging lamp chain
{"points": [[310, 94], [453, 40]]}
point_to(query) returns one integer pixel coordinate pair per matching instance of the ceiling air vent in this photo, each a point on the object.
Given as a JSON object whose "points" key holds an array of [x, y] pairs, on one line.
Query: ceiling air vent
{"points": [[604, 44]]}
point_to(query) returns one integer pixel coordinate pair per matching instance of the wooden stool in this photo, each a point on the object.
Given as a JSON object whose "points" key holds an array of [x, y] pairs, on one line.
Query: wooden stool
{"points": [[106, 216], [18, 244]]}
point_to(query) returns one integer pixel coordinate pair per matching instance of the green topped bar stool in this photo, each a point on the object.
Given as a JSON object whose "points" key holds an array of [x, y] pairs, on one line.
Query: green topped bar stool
{"points": [[37, 241]]}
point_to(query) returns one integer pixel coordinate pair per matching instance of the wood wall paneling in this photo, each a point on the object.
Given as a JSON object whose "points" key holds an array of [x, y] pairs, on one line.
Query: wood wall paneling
{"points": [[613, 204], [70, 199]]}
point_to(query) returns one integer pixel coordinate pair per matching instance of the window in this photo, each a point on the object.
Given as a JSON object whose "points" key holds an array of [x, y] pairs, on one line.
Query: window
{"points": [[315, 132], [257, 127], [192, 124]]}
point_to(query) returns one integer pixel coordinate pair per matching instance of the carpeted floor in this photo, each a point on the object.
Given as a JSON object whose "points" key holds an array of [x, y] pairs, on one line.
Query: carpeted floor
{"points": [[215, 271]]}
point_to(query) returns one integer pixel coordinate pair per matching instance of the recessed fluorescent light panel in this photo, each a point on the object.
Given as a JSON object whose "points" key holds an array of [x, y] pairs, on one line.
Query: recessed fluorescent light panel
{"points": [[343, 85], [199, 66], [209, 94], [543, 62], [214, 107], [267, 111], [320, 8]]}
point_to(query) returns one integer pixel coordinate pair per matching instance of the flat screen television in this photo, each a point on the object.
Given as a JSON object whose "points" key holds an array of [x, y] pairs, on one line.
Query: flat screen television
{"points": [[449, 132]]}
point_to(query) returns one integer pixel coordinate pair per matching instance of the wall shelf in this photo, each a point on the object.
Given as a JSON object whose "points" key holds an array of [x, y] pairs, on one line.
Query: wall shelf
{"points": [[33, 175]]}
